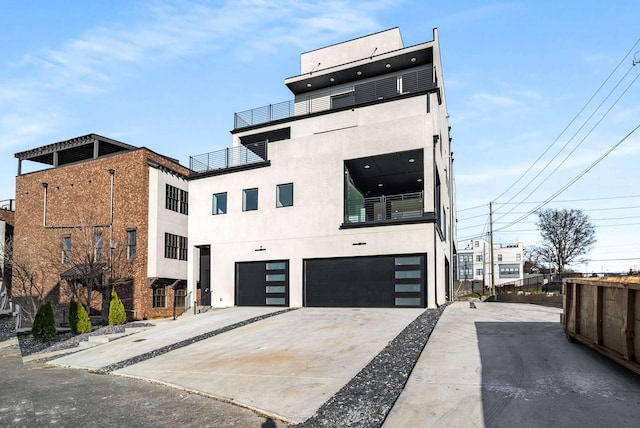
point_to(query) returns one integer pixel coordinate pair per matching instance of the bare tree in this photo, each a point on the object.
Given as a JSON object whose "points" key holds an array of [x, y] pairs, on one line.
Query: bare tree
{"points": [[565, 235], [27, 281]]}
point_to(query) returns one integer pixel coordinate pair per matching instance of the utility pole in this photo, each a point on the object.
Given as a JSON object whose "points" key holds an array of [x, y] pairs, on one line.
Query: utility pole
{"points": [[493, 280]]}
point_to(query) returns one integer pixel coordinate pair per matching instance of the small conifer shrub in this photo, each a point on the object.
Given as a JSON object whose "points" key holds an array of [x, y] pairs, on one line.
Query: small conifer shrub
{"points": [[73, 316], [117, 314], [84, 323], [44, 324]]}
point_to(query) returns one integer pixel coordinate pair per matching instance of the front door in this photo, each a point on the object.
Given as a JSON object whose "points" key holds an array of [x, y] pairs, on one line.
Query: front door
{"points": [[205, 275]]}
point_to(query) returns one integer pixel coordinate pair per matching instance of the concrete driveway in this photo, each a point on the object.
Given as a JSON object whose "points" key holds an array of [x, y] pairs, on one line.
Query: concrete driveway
{"points": [[286, 366]]}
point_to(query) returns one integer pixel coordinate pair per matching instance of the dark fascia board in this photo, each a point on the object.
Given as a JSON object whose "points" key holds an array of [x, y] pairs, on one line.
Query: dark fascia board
{"points": [[214, 172], [428, 217], [323, 112], [67, 144], [158, 166]]}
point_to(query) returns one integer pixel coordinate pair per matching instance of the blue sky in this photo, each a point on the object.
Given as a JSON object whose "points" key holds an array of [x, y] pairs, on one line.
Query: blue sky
{"points": [[169, 75]]}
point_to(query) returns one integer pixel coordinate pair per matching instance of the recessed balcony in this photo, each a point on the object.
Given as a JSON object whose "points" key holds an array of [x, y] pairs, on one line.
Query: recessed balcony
{"points": [[389, 86]]}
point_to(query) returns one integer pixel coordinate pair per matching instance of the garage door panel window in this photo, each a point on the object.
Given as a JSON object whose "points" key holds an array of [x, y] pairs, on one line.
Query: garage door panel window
{"points": [[275, 277], [408, 274], [408, 301], [408, 288], [276, 289], [275, 266], [408, 261], [275, 301]]}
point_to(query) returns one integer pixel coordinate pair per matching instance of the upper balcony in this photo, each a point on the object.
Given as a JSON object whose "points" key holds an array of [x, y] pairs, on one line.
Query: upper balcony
{"points": [[386, 87], [8, 205], [231, 159]]}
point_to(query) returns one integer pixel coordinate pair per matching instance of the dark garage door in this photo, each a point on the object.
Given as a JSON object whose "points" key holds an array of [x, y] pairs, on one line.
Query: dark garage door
{"points": [[263, 283], [381, 281]]}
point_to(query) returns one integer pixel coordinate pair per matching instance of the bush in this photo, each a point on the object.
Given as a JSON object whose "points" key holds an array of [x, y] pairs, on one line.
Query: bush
{"points": [[117, 314], [84, 323], [73, 316], [44, 325]]}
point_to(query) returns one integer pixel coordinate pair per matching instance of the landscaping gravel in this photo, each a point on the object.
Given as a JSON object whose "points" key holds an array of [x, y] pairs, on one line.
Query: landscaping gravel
{"points": [[7, 329], [30, 345], [367, 399]]}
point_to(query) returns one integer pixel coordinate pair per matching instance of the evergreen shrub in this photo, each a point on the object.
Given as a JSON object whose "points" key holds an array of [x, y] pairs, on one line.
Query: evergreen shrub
{"points": [[117, 314], [84, 323], [44, 324]]}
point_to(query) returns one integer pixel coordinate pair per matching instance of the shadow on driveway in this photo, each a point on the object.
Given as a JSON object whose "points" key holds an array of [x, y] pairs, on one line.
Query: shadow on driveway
{"points": [[533, 377]]}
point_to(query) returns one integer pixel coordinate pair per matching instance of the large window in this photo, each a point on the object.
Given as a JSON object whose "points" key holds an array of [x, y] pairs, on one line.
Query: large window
{"points": [[132, 243], [284, 195], [66, 249], [250, 199], [160, 297], [177, 200], [509, 271], [219, 203], [175, 246]]}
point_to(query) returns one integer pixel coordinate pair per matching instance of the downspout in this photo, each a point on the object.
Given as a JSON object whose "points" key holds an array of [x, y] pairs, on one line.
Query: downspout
{"points": [[112, 174], [44, 208], [435, 225]]}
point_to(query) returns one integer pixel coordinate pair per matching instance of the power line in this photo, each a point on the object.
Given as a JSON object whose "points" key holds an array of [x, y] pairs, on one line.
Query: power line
{"points": [[572, 120], [576, 146], [579, 176]]}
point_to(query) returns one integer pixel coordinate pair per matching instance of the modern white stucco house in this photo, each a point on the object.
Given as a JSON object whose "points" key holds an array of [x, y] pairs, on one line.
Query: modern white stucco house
{"points": [[342, 197]]}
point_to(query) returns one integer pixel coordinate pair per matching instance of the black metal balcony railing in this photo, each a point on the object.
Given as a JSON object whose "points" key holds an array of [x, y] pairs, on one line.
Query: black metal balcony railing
{"points": [[229, 157], [389, 86], [386, 207], [8, 204]]}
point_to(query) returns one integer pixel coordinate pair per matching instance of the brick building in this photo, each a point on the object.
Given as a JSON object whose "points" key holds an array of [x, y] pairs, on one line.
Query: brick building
{"points": [[7, 216], [94, 219]]}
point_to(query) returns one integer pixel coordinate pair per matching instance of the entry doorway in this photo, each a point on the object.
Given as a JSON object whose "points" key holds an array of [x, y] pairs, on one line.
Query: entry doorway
{"points": [[204, 279]]}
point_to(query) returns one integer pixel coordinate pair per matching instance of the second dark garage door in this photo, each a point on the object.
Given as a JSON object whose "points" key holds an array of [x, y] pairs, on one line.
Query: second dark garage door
{"points": [[380, 281]]}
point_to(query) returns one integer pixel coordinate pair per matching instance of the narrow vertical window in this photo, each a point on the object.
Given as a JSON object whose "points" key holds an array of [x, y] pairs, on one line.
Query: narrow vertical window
{"points": [[97, 250], [284, 195], [132, 243], [220, 203], [250, 199], [66, 249], [160, 297]]}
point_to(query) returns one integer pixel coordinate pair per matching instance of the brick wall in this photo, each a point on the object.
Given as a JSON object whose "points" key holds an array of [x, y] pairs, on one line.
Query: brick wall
{"points": [[80, 194]]}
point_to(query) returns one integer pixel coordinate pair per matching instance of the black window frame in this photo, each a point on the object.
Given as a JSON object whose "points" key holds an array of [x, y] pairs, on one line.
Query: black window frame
{"points": [[214, 204], [278, 192], [176, 199]]}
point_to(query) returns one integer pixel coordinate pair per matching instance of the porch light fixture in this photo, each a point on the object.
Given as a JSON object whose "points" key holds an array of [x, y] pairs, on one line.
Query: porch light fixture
{"points": [[308, 85], [411, 160], [419, 180], [388, 65], [367, 166], [413, 59], [379, 184], [261, 248], [332, 80], [359, 73], [359, 243]]}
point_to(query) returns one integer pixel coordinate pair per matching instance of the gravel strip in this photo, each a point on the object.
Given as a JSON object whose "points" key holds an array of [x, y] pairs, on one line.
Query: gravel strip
{"points": [[7, 329], [367, 399], [30, 345], [157, 352]]}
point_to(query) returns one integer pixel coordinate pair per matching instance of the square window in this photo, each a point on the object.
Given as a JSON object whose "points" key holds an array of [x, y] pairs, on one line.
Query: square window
{"points": [[284, 195], [220, 203], [250, 199]]}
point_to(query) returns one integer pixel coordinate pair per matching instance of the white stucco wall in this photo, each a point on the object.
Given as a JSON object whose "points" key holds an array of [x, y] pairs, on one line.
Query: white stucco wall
{"points": [[313, 160], [162, 220]]}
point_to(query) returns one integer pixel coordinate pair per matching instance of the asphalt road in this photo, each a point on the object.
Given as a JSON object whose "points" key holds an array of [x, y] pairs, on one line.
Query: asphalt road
{"points": [[38, 396]]}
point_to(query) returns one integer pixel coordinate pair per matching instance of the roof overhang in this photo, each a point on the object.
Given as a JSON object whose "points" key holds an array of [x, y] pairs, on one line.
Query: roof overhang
{"points": [[391, 62]]}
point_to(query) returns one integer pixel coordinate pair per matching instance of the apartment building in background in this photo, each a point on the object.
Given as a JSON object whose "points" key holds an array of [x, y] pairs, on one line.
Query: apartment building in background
{"points": [[102, 213], [342, 196], [474, 263]]}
